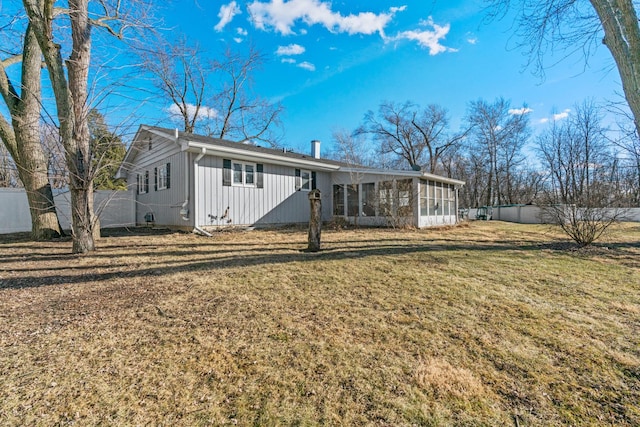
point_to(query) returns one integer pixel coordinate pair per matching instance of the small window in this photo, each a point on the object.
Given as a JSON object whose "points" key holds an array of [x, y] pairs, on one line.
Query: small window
{"points": [[237, 174], [244, 174], [164, 176], [241, 174], [143, 183], [304, 180], [248, 174]]}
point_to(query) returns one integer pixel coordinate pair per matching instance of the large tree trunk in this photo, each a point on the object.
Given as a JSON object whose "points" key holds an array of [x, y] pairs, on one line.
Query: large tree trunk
{"points": [[80, 163], [33, 172], [622, 37], [22, 140], [71, 103]]}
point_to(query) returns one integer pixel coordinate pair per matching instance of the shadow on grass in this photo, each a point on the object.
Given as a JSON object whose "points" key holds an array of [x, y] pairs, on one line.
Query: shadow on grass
{"points": [[253, 257]]}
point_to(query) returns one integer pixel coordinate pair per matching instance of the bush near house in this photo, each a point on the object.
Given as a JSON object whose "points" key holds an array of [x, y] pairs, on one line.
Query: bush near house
{"points": [[486, 324]]}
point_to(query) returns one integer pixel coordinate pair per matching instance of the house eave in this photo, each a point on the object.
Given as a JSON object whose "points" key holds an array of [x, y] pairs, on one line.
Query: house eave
{"points": [[409, 174], [240, 154]]}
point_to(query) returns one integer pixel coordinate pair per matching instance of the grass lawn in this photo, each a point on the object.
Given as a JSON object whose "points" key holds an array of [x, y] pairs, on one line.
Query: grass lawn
{"points": [[488, 324]]}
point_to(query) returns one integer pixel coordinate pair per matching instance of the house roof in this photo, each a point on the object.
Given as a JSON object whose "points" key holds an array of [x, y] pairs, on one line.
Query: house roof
{"points": [[215, 146]]}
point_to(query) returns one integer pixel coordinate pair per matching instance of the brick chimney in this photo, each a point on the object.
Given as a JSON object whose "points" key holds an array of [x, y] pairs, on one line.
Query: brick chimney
{"points": [[315, 149]]}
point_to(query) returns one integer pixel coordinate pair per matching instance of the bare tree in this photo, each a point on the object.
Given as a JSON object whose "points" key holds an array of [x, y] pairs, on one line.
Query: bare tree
{"points": [[351, 148], [500, 133], [419, 136], [70, 84], [574, 26], [575, 154], [243, 116], [21, 137], [178, 74], [213, 96]]}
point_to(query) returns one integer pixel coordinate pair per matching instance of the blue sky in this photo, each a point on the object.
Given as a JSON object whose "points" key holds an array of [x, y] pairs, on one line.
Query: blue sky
{"points": [[331, 62]]}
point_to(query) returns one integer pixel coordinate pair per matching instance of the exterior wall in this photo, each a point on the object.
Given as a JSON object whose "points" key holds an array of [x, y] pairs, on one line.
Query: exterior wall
{"points": [[277, 203], [114, 208], [165, 205]]}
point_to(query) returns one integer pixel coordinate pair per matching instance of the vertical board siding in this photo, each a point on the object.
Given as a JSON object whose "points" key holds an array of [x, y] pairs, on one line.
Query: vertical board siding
{"points": [[165, 204], [277, 203]]}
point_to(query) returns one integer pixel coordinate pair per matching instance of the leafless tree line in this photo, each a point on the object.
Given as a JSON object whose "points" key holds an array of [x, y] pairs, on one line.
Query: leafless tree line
{"points": [[573, 161]]}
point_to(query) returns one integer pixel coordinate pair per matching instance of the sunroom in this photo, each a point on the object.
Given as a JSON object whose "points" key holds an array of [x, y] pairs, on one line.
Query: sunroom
{"points": [[395, 198]]}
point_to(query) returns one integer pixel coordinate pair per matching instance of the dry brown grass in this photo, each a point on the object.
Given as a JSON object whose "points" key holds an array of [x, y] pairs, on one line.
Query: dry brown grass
{"points": [[475, 325]]}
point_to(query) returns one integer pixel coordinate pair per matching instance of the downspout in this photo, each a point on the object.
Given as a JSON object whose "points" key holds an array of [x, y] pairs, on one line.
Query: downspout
{"points": [[184, 211], [197, 229]]}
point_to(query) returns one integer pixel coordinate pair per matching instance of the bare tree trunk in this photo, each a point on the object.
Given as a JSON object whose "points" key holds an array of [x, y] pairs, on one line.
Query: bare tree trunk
{"points": [[315, 220], [622, 37], [71, 103], [80, 162], [22, 140]]}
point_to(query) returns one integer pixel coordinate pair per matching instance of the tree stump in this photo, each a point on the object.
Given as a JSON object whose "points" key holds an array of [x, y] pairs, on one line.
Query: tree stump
{"points": [[315, 220]]}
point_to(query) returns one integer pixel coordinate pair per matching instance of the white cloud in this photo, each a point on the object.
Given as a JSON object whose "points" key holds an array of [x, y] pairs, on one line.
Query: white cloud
{"points": [[520, 111], [428, 39], [555, 117], [241, 31], [206, 112], [238, 39], [307, 66], [226, 15], [292, 49], [560, 116], [471, 39], [282, 15], [288, 61]]}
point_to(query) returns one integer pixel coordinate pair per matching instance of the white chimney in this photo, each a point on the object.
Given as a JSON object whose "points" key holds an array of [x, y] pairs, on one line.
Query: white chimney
{"points": [[315, 149]]}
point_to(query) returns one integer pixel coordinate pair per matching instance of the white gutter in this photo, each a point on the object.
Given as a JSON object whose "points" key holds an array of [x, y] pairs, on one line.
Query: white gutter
{"points": [[242, 154], [196, 228]]}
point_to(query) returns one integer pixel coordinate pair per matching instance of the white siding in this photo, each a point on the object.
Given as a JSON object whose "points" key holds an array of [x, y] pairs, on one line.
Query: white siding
{"points": [[277, 203], [165, 205]]}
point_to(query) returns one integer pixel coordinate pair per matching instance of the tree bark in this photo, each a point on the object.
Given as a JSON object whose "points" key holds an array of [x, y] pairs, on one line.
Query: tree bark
{"points": [[315, 220], [622, 37], [22, 139], [71, 103]]}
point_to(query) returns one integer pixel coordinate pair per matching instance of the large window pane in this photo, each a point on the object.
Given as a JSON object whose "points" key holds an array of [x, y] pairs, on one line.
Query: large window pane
{"points": [[248, 174], [385, 198], [306, 180], [352, 200], [237, 173], [338, 200], [405, 197], [369, 199]]}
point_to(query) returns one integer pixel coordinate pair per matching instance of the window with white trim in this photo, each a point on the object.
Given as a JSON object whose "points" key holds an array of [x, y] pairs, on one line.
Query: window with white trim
{"points": [[306, 180], [243, 174], [143, 182], [163, 177]]}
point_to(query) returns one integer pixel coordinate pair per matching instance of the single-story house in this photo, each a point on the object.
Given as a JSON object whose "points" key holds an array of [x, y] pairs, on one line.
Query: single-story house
{"points": [[190, 181]]}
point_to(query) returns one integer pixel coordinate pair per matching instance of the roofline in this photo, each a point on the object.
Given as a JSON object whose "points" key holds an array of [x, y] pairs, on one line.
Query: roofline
{"points": [[394, 172], [242, 154]]}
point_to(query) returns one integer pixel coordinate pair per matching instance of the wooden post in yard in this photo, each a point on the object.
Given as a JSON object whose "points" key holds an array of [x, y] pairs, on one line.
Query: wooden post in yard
{"points": [[315, 220]]}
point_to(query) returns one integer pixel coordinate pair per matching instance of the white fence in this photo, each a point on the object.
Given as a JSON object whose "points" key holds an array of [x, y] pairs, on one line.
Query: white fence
{"points": [[114, 208], [530, 214]]}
